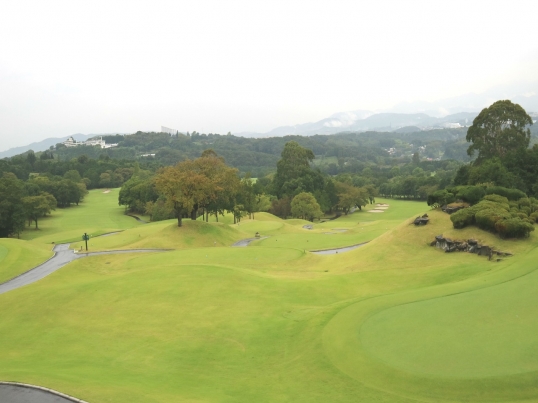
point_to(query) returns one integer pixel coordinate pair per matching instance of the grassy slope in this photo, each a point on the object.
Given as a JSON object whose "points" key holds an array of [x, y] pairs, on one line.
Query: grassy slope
{"points": [[18, 256], [98, 214], [262, 323]]}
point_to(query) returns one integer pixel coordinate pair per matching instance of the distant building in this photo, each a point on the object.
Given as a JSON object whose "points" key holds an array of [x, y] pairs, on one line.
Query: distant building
{"points": [[71, 142], [171, 132]]}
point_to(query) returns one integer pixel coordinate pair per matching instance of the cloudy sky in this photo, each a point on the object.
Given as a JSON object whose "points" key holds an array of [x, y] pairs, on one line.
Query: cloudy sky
{"points": [[217, 66]]}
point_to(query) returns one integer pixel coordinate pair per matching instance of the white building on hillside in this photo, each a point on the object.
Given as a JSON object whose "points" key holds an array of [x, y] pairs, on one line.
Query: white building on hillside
{"points": [[71, 142]]}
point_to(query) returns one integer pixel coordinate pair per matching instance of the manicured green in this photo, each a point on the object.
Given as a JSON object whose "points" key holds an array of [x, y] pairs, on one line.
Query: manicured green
{"points": [[393, 321], [97, 214]]}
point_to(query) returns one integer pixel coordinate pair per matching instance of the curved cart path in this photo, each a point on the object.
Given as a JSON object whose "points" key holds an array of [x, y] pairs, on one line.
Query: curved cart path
{"points": [[62, 256], [337, 250], [22, 393], [244, 242]]}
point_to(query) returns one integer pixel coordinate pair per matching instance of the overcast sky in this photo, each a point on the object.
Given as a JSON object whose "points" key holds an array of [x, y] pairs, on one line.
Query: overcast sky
{"points": [[217, 66]]}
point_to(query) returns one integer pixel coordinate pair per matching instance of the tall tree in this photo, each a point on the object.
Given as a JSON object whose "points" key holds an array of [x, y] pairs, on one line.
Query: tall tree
{"points": [[183, 186], [11, 208], [39, 206], [293, 172], [304, 205], [498, 130]]}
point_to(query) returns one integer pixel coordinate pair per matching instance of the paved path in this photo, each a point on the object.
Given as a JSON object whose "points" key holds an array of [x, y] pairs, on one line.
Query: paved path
{"points": [[337, 250], [138, 219], [10, 393], [245, 242], [62, 256]]}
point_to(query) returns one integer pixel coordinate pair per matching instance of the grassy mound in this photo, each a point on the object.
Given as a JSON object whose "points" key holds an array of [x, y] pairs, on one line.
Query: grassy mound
{"points": [[17, 256], [392, 321]]}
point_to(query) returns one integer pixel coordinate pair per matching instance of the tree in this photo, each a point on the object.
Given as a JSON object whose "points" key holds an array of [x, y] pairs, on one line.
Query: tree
{"points": [[350, 196], [36, 207], [11, 209], [304, 205], [205, 183], [183, 188], [293, 172], [498, 130]]}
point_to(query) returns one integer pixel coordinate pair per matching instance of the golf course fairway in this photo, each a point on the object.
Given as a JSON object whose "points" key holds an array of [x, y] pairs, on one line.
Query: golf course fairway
{"points": [[394, 321]]}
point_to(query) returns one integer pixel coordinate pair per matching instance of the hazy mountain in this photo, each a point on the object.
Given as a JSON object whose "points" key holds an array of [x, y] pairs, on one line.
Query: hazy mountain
{"points": [[525, 94], [369, 121], [43, 145], [447, 113]]}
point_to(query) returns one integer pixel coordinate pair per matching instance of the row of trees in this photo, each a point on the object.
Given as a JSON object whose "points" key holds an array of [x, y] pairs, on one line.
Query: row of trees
{"points": [[30, 200], [102, 172], [208, 186]]}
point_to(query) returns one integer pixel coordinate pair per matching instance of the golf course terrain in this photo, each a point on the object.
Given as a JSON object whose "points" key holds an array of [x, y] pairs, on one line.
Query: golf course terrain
{"points": [[394, 320]]}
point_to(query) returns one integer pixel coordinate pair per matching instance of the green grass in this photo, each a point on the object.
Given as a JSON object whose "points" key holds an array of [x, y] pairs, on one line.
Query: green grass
{"points": [[393, 321], [99, 213], [17, 256]]}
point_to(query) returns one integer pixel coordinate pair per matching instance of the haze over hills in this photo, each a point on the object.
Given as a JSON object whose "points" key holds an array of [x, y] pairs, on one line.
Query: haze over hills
{"points": [[405, 117]]}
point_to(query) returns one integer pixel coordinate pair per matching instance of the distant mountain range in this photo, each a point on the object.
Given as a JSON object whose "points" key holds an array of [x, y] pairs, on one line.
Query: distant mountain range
{"points": [[44, 144], [360, 121], [407, 117]]}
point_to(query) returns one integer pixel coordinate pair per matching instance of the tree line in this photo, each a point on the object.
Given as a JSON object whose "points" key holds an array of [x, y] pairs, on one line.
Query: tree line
{"points": [[207, 186], [29, 201]]}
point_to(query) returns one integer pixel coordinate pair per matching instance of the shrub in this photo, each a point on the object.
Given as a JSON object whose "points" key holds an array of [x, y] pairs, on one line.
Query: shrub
{"points": [[513, 228], [487, 218], [497, 199], [471, 194], [491, 204], [534, 216], [463, 217], [510, 194], [440, 198]]}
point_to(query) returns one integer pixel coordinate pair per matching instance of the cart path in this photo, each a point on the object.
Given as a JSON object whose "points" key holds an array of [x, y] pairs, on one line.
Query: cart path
{"points": [[62, 256], [244, 242], [23, 393], [337, 250]]}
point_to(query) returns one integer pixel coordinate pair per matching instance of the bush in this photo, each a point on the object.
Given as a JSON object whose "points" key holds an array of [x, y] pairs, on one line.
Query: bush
{"points": [[440, 198], [513, 228], [471, 194], [463, 217], [487, 218], [510, 194], [497, 199], [534, 216], [491, 204]]}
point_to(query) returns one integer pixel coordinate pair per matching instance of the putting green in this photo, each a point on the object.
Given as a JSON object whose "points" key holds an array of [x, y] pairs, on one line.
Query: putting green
{"points": [[474, 339]]}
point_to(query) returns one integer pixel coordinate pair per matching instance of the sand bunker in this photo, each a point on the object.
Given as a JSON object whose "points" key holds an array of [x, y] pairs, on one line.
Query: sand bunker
{"points": [[382, 204], [376, 211], [106, 191], [381, 207]]}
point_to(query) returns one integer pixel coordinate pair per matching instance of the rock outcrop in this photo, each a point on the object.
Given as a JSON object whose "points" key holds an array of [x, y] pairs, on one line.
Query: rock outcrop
{"points": [[421, 220], [470, 246]]}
